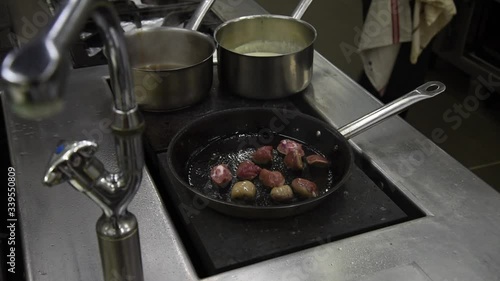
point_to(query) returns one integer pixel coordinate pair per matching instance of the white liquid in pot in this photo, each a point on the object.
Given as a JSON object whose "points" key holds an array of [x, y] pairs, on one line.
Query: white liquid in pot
{"points": [[263, 54], [264, 48]]}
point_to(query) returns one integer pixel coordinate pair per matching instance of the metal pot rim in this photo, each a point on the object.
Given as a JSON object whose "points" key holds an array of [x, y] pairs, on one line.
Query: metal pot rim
{"points": [[166, 29], [223, 25]]}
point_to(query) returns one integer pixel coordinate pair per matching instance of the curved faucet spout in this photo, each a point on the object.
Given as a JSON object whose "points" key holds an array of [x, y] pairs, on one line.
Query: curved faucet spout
{"points": [[119, 65], [36, 75]]}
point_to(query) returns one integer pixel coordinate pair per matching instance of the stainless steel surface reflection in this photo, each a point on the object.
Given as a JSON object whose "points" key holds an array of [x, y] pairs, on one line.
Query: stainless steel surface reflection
{"points": [[457, 240]]}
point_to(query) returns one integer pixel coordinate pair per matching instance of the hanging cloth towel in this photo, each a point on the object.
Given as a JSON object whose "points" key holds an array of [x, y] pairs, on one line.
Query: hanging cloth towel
{"points": [[429, 17], [387, 25]]}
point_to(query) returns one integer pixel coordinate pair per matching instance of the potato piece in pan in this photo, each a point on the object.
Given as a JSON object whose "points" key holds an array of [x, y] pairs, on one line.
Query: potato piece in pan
{"points": [[243, 190], [282, 193]]}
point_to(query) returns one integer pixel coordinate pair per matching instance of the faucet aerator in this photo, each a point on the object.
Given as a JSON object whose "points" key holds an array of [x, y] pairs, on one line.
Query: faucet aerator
{"points": [[36, 75], [37, 111]]}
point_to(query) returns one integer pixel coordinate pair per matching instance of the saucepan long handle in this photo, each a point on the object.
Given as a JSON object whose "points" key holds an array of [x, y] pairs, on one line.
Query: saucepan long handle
{"points": [[301, 9], [199, 14], [425, 91]]}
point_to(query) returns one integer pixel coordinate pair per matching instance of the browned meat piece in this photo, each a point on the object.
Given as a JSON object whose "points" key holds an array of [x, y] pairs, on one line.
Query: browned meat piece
{"points": [[285, 146], [304, 188], [221, 175], [271, 178], [293, 160], [282, 193], [247, 171], [243, 190], [263, 155], [317, 161]]}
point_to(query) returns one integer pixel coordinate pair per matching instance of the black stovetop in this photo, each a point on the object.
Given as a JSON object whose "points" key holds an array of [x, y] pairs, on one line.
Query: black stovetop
{"points": [[217, 242]]}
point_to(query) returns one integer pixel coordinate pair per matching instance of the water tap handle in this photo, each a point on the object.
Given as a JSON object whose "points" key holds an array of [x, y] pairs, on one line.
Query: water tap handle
{"points": [[75, 162]]}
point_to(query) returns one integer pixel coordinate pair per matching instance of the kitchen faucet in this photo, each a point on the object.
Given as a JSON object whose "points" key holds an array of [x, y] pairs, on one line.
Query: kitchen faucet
{"points": [[36, 74]]}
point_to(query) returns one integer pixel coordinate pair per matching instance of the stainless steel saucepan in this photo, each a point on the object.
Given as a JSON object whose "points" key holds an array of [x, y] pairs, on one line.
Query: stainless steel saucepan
{"points": [[172, 67], [266, 56]]}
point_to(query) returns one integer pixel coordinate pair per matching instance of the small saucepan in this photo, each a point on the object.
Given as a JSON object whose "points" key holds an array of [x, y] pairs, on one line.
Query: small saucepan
{"points": [[231, 136], [172, 67], [266, 56]]}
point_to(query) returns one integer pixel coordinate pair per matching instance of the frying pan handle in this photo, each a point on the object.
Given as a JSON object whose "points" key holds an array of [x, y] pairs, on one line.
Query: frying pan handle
{"points": [[425, 91], [199, 14], [301, 9]]}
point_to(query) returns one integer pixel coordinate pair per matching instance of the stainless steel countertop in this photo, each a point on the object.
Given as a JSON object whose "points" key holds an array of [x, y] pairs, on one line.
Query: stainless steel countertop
{"points": [[459, 239]]}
